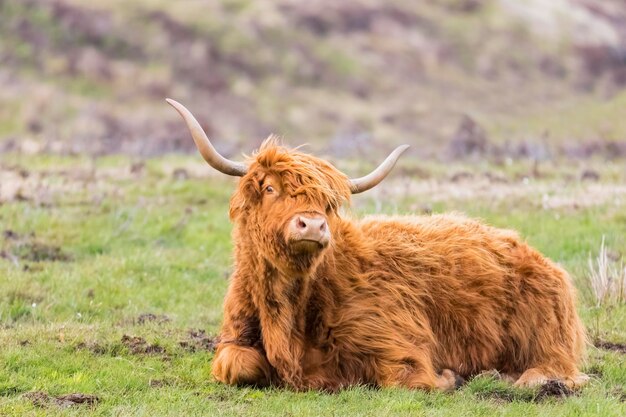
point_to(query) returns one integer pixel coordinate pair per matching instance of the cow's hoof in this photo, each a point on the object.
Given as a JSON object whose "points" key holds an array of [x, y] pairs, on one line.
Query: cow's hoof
{"points": [[447, 381], [577, 381], [240, 365], [459, 381]]}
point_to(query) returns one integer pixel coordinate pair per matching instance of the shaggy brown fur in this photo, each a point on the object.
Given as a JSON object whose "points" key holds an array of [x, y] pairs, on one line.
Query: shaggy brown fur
{"points": [[392, 301]]}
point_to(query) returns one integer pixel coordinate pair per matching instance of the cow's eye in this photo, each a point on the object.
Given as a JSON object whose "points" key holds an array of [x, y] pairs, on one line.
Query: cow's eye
{"points": [[269, 189]]}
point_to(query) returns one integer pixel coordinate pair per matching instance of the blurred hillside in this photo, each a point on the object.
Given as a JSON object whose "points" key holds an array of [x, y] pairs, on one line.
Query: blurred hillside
{"points": [[497, 78]]}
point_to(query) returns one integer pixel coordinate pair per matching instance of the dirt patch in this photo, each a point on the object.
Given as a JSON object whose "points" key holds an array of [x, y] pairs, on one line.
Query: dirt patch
{"points": [[500, 395], [42, 399], [620, 393], [614, 347], [553, 389], [198, 340], [77, 398], [138, 345], [40, 252], [9, 234], [28, 248], [149, 317], [217, 396], [38, 398], [595, 371], [158, 383], [507, 394], [94, 348]]}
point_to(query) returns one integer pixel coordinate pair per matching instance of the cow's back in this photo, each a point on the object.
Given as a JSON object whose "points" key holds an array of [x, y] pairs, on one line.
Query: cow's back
{"points": [[479, 286]]}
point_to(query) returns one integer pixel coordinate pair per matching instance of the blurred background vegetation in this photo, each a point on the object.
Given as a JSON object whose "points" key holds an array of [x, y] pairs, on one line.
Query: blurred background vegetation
{"points": [[490, 79]]}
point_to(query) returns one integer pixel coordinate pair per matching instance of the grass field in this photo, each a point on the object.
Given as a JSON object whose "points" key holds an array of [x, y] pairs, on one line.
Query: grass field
{"points": [[112, 274]]}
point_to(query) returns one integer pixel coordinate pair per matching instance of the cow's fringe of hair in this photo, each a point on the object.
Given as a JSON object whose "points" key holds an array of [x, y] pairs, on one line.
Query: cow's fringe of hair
{"points": [[314, 179]]}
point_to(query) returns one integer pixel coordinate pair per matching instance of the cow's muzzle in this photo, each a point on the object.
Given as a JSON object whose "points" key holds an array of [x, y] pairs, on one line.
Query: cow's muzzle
{"points": [[308, 232]]}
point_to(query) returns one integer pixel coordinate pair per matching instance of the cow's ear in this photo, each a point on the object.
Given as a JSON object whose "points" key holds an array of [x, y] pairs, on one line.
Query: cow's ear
{"points": [[247, 193]]}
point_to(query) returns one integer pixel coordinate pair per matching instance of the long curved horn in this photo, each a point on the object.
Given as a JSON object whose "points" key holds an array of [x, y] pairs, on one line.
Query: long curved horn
{"points": [[358, 185], [208, 152]]}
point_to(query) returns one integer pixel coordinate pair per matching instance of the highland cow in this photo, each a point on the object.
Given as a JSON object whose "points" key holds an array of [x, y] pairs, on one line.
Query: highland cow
{"points": [[321, 301]]}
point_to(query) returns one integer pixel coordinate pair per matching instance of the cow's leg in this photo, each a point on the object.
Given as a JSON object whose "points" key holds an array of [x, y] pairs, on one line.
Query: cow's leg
{"points": [[547, 338], [238, 360], [416, 371], [320, 373], [532, 377], [284, 348], [241, 365], [282, 328], [538, 376], [577, 381], [428, 380], [508, 377], [321, 381]]}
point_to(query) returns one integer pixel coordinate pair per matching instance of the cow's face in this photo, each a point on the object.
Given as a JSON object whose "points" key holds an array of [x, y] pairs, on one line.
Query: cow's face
{"points": [[287, 201], [287, 206]]}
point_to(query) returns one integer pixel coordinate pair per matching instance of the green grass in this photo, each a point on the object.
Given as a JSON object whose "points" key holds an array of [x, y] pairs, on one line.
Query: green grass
{"points": [[145, 242]]}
